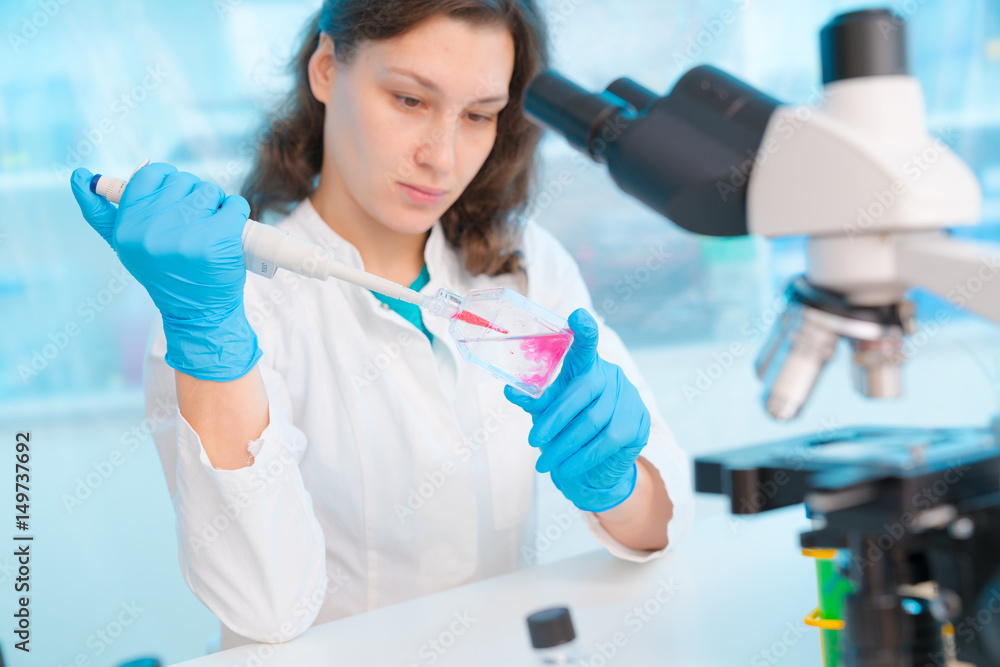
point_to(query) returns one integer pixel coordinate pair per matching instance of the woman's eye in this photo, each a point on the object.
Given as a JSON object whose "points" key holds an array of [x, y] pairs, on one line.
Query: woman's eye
{"points": [[408, 102], [479, 118]]}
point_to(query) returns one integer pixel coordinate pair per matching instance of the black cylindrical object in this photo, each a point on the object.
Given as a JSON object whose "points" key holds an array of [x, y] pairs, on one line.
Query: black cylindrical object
{"points": [[556, 102], [870, 42], [691, 157], [551, 627], [640, 97], [688, 156]]}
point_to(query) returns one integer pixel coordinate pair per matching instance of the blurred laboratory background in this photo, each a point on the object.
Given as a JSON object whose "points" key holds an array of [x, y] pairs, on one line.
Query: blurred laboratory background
{"points": [[105, 85]]}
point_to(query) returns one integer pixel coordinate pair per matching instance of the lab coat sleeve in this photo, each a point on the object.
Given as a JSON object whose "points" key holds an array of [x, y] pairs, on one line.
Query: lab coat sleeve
{"points": [[556, 273], [249, 543]]}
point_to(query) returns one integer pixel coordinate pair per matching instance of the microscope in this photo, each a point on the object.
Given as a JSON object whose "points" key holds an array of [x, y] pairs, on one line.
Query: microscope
{"points": [[861, 177]]}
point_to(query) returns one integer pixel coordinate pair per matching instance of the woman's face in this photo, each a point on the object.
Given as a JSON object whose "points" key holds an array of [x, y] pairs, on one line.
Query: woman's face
{"points": [[410, 121]]}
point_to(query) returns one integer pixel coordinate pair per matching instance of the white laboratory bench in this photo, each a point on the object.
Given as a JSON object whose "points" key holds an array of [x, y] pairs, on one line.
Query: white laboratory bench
{"points": [[734, 593]]}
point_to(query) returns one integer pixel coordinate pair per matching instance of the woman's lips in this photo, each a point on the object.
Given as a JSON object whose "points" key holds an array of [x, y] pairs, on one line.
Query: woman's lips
{"points": [[421, 195]]}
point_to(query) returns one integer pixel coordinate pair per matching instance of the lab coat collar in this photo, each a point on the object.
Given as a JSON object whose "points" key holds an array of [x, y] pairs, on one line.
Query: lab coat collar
{"points": [[442, 262]]}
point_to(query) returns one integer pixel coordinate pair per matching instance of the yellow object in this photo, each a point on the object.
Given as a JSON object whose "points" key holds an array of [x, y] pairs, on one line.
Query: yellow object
{"points": [[815, 621], [826, 554]]}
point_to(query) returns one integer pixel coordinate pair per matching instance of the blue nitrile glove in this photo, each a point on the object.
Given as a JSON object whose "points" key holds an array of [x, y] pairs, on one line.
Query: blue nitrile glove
{"points": [[181, 238], [590, 424]]}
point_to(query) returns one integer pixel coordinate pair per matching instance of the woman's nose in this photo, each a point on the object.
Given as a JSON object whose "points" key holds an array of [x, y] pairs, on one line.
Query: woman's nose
{"points": [[437, 150]]}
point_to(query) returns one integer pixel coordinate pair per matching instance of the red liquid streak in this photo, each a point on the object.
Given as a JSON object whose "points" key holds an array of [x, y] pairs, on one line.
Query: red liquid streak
{"points": [[547, 351], [466, 316]]}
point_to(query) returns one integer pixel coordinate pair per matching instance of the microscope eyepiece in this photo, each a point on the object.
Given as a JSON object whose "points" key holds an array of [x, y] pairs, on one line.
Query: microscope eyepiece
{"points": [[870, 42], [557, 103], [688, 155]]}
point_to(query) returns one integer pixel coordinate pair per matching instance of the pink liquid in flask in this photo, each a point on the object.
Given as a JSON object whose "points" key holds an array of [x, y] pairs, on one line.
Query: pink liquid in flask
{"points": [[547, 350], [511, 338]]}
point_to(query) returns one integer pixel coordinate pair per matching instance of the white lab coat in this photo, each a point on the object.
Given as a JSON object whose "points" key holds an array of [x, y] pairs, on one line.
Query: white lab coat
{"points": [[390, 468]]}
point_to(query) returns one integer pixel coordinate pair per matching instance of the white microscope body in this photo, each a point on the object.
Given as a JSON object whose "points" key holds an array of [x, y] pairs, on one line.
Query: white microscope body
{"points": [[874, 202], [859, 175]]}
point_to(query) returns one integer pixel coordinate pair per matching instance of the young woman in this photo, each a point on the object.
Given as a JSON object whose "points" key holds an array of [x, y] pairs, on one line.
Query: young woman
{"points": [[331, 452]]}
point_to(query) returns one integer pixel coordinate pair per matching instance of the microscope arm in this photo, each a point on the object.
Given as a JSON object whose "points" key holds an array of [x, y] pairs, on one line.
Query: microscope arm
{"points": [[964, 272]]}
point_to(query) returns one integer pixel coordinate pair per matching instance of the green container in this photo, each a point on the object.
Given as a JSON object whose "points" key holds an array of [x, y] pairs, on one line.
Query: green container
{"points": [[833, 589]]}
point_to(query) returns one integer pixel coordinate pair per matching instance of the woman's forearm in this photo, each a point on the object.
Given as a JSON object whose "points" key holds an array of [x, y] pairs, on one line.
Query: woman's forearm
{"points": [[225, 415], [640, 522]]}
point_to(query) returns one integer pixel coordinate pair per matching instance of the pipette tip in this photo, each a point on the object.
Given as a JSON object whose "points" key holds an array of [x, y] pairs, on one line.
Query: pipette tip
{"points": [[466, 316]]}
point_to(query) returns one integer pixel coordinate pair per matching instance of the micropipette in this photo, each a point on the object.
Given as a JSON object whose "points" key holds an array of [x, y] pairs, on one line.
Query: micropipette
{"points": [[496, 329], [267, 248]]}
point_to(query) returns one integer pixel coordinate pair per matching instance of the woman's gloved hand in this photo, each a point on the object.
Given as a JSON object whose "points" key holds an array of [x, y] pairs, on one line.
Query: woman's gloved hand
{"points": [[181, 238], [590, 424]]}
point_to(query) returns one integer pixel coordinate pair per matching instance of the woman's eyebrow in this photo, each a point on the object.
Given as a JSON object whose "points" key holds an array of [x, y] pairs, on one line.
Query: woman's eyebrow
{"points": [[434, 88]]}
